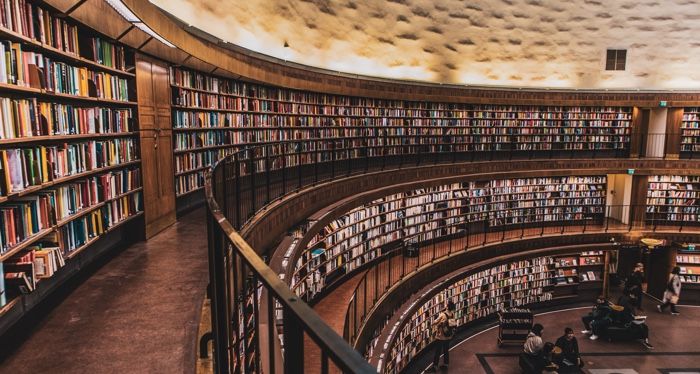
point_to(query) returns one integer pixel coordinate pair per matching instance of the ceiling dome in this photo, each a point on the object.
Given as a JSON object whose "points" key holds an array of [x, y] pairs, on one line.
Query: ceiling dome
{"points": [[522, 43]]}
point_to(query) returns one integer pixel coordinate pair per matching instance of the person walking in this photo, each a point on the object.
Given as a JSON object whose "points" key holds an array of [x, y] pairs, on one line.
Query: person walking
{"points": [[672, 293], [444, 332], [633, 285]]}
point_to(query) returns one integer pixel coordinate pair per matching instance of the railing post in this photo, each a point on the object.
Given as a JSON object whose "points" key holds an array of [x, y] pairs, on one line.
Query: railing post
{"points": [[293, 343], [299, 166], [271, 324], [333, 159], [218, 298], [316, 145], [237, 184], [267, 171], [284, 168], [253, 194]]}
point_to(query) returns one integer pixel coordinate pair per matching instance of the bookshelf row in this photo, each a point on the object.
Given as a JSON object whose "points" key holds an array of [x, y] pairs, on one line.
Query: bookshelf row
{"points": [[373, 229], [213, 116], [69, 152], [673, 198], [484, 293], [689, 262], [690, 130]]}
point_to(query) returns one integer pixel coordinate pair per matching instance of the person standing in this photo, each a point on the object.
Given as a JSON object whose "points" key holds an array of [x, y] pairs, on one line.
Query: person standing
{"points": [[672, 293], [444, 331], [633, 285]]}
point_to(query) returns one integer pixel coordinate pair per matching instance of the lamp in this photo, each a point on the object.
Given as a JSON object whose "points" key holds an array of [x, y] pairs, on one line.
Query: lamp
{"points": [[130, 17]]}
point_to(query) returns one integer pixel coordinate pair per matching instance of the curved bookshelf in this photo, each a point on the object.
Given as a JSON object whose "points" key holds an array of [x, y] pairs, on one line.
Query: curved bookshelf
{"points": [[370, 231], [479, 295], [69, 150]]}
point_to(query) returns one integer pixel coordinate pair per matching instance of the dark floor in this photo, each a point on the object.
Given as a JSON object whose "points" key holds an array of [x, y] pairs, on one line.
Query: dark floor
{"points": [[674, 339], [138, 313]]}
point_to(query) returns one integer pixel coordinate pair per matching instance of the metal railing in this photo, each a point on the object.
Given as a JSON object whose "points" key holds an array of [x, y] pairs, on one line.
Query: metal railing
{"points": [[247, 295], [393, 267]]}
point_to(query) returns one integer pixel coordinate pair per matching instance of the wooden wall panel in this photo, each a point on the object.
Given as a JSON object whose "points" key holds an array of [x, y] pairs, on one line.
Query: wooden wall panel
{"points": [[156, 144], [673, 132], [638, 199]]}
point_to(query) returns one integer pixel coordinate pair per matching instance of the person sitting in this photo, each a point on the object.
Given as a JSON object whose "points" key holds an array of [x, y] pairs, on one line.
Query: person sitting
{"points": [[622, 319], [534, 344], [537, 355], [600, 310], [569, 356], [546, 359]]}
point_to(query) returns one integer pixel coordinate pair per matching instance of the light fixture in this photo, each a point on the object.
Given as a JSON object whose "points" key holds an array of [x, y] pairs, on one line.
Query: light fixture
{"points": [[152, 33], [128, 15], [123, 10]]}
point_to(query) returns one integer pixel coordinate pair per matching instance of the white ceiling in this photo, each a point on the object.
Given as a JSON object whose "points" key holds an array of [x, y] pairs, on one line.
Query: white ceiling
{"points": [[528, 43]]}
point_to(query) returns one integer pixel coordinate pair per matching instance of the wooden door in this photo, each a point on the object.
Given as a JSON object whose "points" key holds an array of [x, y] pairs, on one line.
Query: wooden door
{"points": [[153, 93]]}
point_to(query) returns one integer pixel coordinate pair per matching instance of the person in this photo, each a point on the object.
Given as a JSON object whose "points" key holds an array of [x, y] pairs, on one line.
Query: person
{"points": [[600, 310], [545, 359], [534, 344], [672, 293], [569, 355], [633, 285], [623, 315], [444, 331]]}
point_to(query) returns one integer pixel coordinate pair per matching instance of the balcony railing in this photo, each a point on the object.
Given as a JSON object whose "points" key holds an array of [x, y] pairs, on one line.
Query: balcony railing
{"points": [[249, 300]]}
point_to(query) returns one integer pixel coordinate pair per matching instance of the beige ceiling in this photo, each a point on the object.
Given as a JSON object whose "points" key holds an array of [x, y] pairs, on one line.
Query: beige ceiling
{"points": [[530, 43]]}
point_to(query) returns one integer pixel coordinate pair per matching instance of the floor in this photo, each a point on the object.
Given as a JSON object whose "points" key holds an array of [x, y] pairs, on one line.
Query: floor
{"points": [[674, 339], [138, 313]]}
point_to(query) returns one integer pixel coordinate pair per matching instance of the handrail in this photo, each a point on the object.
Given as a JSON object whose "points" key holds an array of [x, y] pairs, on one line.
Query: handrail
{"points": [[243, 288]]}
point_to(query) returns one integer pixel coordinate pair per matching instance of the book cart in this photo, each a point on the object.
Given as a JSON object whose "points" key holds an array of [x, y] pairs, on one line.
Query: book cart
{"points": [[514, 324]]}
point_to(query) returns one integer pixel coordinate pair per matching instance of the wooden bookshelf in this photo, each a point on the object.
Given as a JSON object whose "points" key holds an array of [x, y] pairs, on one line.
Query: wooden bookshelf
{"points": [[690, 132], [480, 295], [367, 232], [217, 114], [673, 199], [69, 149]]}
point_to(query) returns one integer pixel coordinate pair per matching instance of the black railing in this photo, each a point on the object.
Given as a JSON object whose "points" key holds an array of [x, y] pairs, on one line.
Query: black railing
{"points": [[247, 295], [393, 267]]}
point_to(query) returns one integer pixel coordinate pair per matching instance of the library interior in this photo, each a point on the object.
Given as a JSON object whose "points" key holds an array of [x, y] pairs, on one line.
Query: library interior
{"points": [[343, 186]]}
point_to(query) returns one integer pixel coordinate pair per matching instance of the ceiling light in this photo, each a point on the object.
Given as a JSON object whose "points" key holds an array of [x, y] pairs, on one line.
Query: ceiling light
{"points": [[123, 10], [152, 33], [128, 15]]}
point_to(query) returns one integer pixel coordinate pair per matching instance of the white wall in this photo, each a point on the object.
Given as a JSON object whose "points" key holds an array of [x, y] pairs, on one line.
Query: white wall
{"points": [[657, 132], [619, 197]]}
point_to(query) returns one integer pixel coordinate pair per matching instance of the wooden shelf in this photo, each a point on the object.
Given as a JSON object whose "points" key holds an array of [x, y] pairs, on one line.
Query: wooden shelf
{"points": [[10, 304], [65, 179], [25, 243], [55, 95], [76, 251], [63, 138], [66, 56]]}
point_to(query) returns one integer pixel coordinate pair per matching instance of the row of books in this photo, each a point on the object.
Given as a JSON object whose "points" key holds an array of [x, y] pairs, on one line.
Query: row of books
{"points": [[83, 230], [198, 81], [36, 23], [471, 304], [509, 204], [30, 215], [32, 166], [32, 69], [196, 118], [20, 274], [27, 118], [673, 198], [25, 18], [690, 130]]}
